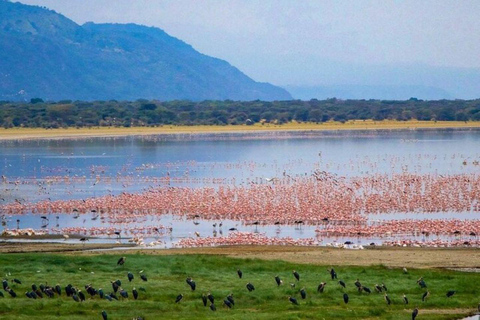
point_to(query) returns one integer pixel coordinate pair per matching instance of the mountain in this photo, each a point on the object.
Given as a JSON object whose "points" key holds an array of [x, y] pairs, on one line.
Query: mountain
{"points": [[357, 92], [44, 54]]}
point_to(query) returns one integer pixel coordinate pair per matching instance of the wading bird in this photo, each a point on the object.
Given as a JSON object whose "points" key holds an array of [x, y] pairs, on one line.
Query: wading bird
{"points": [[296, 275], [345, 298], [340, 282], [450, 293], [250, 287], [104, 315], [414, 314], [387, 299], [303, 293], [240, 273], [121, 261], [425, 296], [405, 299], [293, 300], [179, 298], [278, 280], [321, 287]]}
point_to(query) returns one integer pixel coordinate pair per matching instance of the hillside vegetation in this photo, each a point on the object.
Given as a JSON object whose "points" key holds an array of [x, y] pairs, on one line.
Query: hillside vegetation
{"points": [[38, 114]]}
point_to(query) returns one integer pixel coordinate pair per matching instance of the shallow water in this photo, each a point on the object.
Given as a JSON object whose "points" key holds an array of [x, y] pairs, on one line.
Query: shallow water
{"points": [[81, 168]]}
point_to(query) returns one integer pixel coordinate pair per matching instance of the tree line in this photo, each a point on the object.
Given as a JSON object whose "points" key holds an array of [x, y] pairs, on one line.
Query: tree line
{"points": [[40, 114]]}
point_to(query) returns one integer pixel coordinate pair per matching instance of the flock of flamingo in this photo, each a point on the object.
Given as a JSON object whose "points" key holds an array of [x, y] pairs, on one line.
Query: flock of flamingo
{"points": [[336, 205]]}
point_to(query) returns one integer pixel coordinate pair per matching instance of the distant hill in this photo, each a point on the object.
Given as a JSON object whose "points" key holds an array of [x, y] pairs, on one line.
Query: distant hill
{"points": [[392, 92], [44, 54]]}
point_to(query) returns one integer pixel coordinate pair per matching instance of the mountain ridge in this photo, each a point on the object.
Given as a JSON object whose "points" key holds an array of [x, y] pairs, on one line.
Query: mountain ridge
{"points": [[45, 54]]}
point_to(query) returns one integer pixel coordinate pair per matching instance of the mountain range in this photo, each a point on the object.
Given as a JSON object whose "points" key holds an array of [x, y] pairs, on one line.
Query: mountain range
{"points": [[44, 54]]}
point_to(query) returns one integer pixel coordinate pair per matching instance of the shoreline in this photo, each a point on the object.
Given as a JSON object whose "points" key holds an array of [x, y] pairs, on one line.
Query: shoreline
{"points": [[116, 132], [465, 259]]}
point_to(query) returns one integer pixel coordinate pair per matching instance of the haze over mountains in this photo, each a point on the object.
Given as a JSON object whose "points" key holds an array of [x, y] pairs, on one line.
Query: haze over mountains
{"points": [[44, 54]]}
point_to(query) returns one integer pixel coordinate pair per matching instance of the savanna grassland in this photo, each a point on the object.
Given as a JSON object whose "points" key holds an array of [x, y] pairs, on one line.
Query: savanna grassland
{"points": [[217, 274]]}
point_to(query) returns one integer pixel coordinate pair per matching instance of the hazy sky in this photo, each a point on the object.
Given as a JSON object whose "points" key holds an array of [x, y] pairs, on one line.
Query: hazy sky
{"points": [[262, 37]]}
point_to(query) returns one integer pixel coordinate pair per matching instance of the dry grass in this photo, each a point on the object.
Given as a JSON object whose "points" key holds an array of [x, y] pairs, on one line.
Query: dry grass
{"points": [[35, 133], [387, 256]]}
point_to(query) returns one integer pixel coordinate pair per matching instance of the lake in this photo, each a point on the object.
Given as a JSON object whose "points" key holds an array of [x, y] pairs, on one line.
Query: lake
{"points": [[63, 169]]}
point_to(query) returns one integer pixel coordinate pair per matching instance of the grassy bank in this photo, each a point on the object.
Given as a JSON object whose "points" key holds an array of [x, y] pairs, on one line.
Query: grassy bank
{"points": [[34, 133], [217, 274]]}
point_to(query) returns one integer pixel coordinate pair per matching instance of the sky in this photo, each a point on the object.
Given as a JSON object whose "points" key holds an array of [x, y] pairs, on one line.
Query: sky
{"points": [[290, 42]]}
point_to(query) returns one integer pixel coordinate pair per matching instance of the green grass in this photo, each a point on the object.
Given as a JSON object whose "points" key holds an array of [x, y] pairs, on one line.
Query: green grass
{"points": [[166, 279]]}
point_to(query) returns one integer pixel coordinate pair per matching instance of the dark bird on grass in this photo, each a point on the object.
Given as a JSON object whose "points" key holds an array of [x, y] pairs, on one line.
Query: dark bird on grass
{"points": [[101, 293], [278, 280], [250, 287], [367, 289], [450, 293], [321, 287], [42, 287], [378, 288], [49, 292], [34, 287], [210, 297], [358, 284], [333, 274], [76, 298], [345, 298], [384, 287], [5, 284], [192, 284], [296, 275], [227, 303], [414, 314], [142, 289], [90, 290], [1, 294], [123, 294], [39, 294], [28, 295], [179, 298], [387, 299], [130, 277], [12, 293], [421, 283], [342, 283], [135, 293], [104, 315], [108, 297], [68, 290], [143, 277], [212, 307], [405, 299], [303, 293], [405, 271], [81, 295], [118, 282], [230, 298], [115, 286], [113, 296], [425, 296], [240, 273], [58, 289], [204, 299], [17, 281], [293, 300], [121, 261]]}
